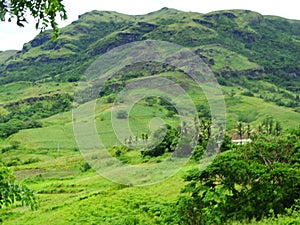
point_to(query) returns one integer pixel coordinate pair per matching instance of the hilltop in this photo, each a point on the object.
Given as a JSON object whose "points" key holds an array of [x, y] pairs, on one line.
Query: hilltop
{"points": [[237, 42]]}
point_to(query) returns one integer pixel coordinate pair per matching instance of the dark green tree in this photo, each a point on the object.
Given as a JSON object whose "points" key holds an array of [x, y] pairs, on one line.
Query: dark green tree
{"points": [[164, 140], [226, 143], [277, 129], [203, 128], [248, 131], [44, 11], [251, 181], [240, 130]]}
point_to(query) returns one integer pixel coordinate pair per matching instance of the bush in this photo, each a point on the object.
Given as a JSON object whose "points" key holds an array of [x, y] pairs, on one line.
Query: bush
{"points": [[122, 114], [127, 220], [31, 160], [247, 93], [198, 153], [10, 192], [164, 140], [13, 162], [85, 167]]}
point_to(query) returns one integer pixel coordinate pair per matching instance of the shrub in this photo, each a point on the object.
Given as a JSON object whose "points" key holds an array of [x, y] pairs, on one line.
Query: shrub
{"points": [[31, 160], [85, 167], [247, 93], [122, 114]]}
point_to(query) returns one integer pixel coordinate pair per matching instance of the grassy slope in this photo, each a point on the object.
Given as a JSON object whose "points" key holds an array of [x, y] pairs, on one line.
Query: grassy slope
{"points": [[6, 54], [58, 129], [18, 91], [69, 196]]}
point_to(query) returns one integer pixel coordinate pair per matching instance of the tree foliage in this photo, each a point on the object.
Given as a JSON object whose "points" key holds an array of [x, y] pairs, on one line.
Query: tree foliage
{"points": [[252, 181], [164, 140], [44, 11], [24, 114], [10, 192]]}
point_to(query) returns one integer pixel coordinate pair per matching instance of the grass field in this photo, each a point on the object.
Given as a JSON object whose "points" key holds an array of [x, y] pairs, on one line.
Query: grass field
{"points": [[57, 131], [69, 196], [48, 159]]}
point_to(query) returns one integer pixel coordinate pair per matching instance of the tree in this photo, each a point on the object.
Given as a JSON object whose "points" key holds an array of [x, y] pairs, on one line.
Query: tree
{"points": [[226, 143], [204, 132], [267, 127], [278, 129], [165, 139], [251, 181], [248, 131], [240, 131], [44, 11], [10, 192]]}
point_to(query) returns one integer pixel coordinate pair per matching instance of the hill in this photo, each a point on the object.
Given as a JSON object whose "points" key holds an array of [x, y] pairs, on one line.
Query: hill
{"points": [[254, 58], [234, 44], [261, 45]]}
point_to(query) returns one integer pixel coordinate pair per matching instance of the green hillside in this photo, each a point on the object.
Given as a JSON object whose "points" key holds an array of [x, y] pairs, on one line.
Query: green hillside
{"points": [[269, 43], [254, 58]]}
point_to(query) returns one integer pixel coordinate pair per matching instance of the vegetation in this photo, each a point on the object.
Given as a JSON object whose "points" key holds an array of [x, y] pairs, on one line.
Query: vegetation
{"points": [[253, 181], [24, 114], [10, 192], [165, 140], [44, 11], [254, 59]]}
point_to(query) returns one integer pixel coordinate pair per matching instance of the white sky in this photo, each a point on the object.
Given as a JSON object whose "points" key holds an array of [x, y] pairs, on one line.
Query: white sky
{"points": [[13, 37]]}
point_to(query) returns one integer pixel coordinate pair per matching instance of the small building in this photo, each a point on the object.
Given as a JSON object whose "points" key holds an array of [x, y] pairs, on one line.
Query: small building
{"points": [[241, 141]]}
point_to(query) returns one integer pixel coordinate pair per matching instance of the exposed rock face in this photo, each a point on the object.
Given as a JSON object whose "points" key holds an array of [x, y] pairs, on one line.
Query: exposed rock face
{"points": [[40, 39]]}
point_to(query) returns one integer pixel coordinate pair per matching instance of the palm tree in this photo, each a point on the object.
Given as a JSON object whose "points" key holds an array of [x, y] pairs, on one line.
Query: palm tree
{"points": [[240, 131], [248, 131], [277, 129]]}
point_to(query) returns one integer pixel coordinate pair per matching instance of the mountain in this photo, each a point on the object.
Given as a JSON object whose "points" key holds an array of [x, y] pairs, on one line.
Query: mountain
{"points": [[254, 57], [235, 42]]}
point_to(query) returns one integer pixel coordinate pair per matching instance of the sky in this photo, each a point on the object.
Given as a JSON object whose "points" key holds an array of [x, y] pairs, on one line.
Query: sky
{"points": [[13, 37]]}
